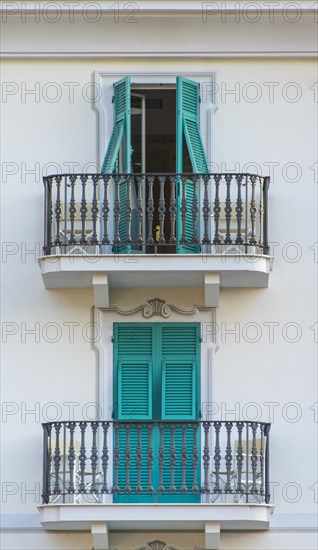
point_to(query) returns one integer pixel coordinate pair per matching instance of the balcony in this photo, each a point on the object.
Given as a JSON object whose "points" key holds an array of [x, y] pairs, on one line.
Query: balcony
{"points": [[116, 472], [156, 230]]}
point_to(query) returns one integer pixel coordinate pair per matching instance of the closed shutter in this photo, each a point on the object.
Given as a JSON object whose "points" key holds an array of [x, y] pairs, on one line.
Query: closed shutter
{"points": [[179, 401], [133, 382], [188, 97]]}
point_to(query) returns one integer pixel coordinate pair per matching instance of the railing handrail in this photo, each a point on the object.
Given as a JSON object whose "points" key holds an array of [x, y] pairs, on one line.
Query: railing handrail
{"points": [[178, 421], [138, 174]]}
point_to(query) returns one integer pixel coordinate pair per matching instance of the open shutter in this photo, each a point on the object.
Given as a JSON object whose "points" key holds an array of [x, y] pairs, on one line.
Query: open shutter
{"points": [[118, 157], [188, 130], [133, 360], [180, 349]]}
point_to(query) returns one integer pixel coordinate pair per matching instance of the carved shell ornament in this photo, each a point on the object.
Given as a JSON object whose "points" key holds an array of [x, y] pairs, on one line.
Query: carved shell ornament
{"points": [[156, 307], [157, 545]]}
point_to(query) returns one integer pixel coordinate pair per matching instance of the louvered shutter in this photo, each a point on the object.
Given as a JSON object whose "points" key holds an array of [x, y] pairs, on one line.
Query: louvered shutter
{"points": [[133, 357], [120, 141], [180, 355], [188, 97]]}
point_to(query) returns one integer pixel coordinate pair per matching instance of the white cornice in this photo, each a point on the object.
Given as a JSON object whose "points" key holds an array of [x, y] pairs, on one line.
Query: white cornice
{"points": [[162, 55], [162, 7]]}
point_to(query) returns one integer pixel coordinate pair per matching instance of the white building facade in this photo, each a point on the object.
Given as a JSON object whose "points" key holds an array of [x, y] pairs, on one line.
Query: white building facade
{"points": [[159, 366]]}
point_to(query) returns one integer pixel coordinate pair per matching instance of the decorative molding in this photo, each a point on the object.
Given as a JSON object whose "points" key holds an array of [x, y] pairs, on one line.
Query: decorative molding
{"points": [[157, 545], [156, 307]]}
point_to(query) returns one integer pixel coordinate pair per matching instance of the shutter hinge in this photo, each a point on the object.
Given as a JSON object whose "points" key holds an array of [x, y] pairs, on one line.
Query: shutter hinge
{"points": [[113, 99], [113, 339], [200, 414], [199, 99], [200, 339]]}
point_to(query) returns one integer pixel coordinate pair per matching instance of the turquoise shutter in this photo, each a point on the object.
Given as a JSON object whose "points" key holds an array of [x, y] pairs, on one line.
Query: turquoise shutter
{"points": [[180, 350], [122, 126], [188, 130], [133, 382], [120, 141]]}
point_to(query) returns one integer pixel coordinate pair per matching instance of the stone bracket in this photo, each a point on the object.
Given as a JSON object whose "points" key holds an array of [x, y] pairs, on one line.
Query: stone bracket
{"points": [[100, 538], [211, 289]]}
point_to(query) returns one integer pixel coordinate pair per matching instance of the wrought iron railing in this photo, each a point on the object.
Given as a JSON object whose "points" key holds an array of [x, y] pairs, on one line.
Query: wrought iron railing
{"points": [[156, 213], [209, 461]]}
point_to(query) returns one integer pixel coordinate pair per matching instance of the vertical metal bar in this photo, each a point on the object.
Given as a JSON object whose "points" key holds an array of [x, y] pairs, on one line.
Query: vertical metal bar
{"points": [[127, 488], [65, 213], [217, 458], [239, 210], [195, 457], [58, 211], [72, 210], [216, 210], [49, 214], [82, 458], [206, 210], [183, 488], [246, 214], [140, 210], [247, 462], [138, 457], [228, 210], [95, 210], [46, 464], [57, 459], [195, 210], [105, 210], [116, 457], [162, 209], [261, 459], [265, 221], [254, 458], [252, 239], [184, 210], [261, 212], [150, 488], [117, 212], [267, 485], [161, 457], [94, 457], [228, 457], [172, 209], [206, 457], [105, 457], [128, 209], [150, 209], [71, 458], [83, 209], [239, 458], [173, 457]]}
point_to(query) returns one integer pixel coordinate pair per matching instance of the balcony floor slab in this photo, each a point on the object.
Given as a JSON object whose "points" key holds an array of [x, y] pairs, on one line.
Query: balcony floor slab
{"points": [[155, 271]]}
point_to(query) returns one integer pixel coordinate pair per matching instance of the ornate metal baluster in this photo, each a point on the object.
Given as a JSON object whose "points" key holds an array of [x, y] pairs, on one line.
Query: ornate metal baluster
{"points": [[105, 457], [261, 212], [239, 458], [95, 210], [195, 210], [262, 460], [105, 210], [150, 209], [150, 488], [252, 239], [140, 210], [172, 209], [206, 457], [82, 459], [49, 213], [173, 458], [71, 458], [228, 457], [127, 488], [47, 489], [183, 488], [228, 210], [206, 210], [116, 457], [58, 210], [94, 458], [239, 210], [217, 458], [83, 209], [117, 213], [57, 459], [72, 210], [138, 457], [184, 210], [162, 209], [217, 209], [128, 210], [161, 457], [195, 458], [254, 458]]}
